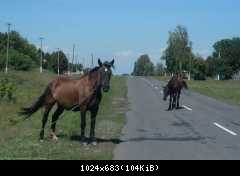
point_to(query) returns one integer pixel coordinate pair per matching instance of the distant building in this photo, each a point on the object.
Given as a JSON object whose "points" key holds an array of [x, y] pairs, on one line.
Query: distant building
{"points": [[236, 76]]}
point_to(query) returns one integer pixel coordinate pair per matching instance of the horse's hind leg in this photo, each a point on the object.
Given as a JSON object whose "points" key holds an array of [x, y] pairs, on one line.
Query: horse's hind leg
{"points": [[178, 99], [83, 126], [55, 118], [174, 101], [170, 102], [44, 120], [93, 122]]}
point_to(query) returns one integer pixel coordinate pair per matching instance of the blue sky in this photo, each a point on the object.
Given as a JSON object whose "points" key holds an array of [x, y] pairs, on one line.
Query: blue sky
{"points": [[123, 28]]}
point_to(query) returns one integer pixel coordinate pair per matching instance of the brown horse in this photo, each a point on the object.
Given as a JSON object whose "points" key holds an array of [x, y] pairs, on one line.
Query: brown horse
{"points": [[82, 95], [173, 89]]}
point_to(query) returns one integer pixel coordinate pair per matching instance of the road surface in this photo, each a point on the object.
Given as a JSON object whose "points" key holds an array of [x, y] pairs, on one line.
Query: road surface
{"points": [[204, 130]]}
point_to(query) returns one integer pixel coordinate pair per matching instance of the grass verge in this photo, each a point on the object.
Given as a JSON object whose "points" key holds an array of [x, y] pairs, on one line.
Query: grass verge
{"points": [[19, 139]]}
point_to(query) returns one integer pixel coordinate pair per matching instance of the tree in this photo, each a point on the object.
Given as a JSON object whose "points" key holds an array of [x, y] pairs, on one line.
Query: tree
{"points": [[178, 54], [199, 68], [19, 61], [226, 57], [52, 62], [17, 42], [22, 54], [159, 69], [143, 66], [46, 60]]}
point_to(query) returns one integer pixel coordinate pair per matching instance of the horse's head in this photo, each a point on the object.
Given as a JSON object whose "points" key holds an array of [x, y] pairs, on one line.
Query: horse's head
{"points": [[106, 73], [165, 92]]}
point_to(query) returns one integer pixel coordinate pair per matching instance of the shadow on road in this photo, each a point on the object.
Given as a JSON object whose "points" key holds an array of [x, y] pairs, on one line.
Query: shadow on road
{"points": [[174, 139], [99, 140], [141, 139]]}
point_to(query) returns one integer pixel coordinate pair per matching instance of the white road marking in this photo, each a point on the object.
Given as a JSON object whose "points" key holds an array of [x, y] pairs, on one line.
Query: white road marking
{"points": [[225, 129], [187, 108]]}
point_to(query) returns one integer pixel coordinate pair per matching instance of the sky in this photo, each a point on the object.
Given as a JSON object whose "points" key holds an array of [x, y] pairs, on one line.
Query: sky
{"points": [[123, 29]]}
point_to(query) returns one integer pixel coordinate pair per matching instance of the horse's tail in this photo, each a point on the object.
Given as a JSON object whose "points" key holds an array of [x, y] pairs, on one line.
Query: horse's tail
{"points": [[184, 83], [28, 112]]}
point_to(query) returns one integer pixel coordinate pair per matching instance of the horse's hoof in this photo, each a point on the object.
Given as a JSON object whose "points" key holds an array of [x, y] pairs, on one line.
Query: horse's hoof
{"points": [[84, 144], [94, 143], [41, 140], [55, 139]]}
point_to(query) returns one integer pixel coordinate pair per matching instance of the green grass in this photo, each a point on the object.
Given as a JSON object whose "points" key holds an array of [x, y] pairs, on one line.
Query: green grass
{"points": [[226, 91], [19, 139]]}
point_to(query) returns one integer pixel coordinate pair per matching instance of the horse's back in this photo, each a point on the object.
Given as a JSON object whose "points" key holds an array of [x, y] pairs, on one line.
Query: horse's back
{"points": [[177, 83], [66, 91]]}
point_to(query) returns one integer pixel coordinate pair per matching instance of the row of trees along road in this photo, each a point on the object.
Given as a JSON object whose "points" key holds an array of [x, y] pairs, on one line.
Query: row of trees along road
{"points": [[25, 56], [178, 56]]}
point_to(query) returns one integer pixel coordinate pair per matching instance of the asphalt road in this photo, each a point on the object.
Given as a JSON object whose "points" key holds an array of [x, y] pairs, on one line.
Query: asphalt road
{"points": [[204, 130]]}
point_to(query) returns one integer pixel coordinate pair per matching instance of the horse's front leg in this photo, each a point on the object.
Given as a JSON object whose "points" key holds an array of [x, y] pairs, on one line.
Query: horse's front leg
{"points": [[178, 99], [170, 102], [83, 126], [174, 100], [94, 112]]}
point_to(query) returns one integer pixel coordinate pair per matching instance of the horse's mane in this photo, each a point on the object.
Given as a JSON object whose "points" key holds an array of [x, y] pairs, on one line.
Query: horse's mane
{"points": [[91, 71], [94, 69]]}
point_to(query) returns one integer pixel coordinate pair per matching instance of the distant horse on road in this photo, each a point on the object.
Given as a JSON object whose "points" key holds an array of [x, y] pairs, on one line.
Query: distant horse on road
{"points": [[83, 94], [173, 89]]}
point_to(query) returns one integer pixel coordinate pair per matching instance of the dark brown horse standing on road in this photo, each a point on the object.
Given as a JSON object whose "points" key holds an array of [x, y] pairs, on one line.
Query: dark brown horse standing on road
{"points": [[82, 95], [173, 89]]}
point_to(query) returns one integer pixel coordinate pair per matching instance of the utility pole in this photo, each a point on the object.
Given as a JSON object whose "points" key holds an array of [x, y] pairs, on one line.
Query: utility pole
{"points": [[6, 69], [73, 57], [58, 62], [76, 62], [83, 63], [92, 64], [68, 55], [41, 55], [190, 67], [219, 57]]}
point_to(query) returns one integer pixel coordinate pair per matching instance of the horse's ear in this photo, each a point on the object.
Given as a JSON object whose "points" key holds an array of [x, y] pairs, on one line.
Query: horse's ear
{"points": [[99, 62], [112, 63]]}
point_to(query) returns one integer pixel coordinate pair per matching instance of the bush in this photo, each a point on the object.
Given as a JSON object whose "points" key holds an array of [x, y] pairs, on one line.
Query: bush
{"points": [[2, 61], [7, 90], [199, 76], [19, 61]]}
